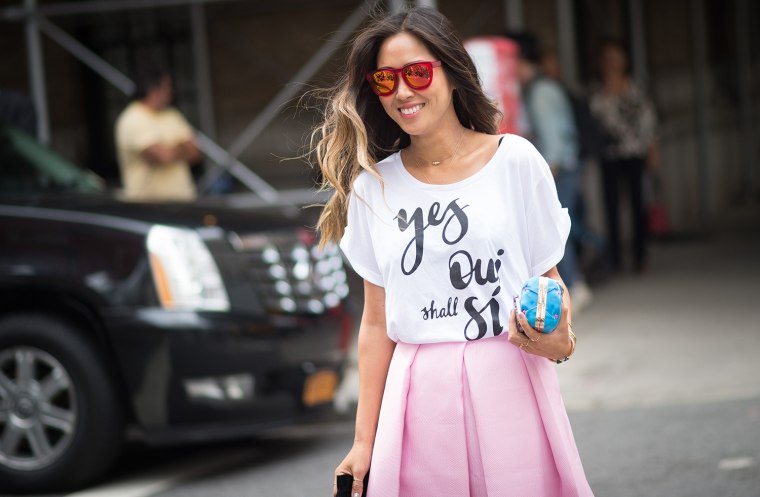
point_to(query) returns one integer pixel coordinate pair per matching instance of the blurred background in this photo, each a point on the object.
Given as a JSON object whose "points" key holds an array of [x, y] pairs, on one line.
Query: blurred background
{"points": [[230, 59], [664, 392]]}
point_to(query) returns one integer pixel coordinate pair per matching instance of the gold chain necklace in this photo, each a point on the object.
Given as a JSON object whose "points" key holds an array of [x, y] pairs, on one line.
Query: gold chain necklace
{"points": [[438, 162]]}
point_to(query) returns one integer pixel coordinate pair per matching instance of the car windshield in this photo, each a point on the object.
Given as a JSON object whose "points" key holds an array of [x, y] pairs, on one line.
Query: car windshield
{"points": [[28, 166]]}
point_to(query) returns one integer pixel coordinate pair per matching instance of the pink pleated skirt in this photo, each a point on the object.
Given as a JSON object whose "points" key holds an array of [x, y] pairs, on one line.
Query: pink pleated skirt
{"points": [[477, 419]]}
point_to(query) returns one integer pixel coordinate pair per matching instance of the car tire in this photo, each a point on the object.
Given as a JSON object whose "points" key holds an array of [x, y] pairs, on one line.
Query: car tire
{"points": [[61, 421]]}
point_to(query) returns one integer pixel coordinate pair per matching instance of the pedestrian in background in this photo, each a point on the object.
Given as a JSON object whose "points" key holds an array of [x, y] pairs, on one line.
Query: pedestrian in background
{"points": [[444, 220], [154, 143], [552, 129], [628, 120], [590, 245]]}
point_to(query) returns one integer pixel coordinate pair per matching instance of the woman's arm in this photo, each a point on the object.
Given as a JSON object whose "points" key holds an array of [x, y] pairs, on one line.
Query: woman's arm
{"points": [[375, 353]]}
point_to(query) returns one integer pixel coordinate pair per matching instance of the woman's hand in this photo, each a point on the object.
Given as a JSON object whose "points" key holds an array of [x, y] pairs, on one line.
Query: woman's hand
{"points": [[554, 345], [356, 463]]}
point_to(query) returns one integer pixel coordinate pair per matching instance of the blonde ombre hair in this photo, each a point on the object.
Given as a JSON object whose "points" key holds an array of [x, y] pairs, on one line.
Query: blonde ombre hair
{"points": [[356, 132]]}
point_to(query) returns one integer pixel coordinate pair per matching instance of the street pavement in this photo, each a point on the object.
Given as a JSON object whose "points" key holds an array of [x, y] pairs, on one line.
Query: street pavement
{"points": [[664, 390], [688, 331]]}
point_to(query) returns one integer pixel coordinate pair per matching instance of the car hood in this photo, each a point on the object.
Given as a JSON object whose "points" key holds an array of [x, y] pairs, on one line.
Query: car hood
{"points": [[187, 214]]}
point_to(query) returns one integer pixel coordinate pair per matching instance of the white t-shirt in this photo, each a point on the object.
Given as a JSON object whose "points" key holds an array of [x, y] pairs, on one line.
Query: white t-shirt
{"points": [[451, 257]]}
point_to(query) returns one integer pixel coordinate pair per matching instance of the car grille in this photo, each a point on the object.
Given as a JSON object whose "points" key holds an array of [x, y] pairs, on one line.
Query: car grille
{"points": [[292, 274]]}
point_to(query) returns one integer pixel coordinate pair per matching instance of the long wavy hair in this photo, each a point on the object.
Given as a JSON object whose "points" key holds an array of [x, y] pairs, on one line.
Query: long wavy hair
{"points": [[356, 131]]}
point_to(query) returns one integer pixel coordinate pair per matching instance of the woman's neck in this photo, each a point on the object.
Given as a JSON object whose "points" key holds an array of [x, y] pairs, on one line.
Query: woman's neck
{"points": [[438, 146], [616, 83]]}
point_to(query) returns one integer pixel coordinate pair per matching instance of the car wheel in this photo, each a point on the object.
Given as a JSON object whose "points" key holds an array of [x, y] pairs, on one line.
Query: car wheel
{"points": [[60, 418]]}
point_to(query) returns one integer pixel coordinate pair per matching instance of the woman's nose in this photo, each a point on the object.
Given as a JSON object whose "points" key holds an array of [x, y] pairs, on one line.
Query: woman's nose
{"points": [[404, 92]]}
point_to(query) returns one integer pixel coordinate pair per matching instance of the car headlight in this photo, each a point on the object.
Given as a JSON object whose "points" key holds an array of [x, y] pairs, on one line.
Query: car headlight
{"points": [[184, 271]]}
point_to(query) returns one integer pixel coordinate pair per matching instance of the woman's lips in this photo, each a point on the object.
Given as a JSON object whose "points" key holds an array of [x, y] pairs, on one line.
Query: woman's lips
{"points": [[408, 112]]}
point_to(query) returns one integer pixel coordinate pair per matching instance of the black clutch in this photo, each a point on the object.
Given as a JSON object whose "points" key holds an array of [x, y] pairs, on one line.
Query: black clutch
{"points": [[346, 482]]}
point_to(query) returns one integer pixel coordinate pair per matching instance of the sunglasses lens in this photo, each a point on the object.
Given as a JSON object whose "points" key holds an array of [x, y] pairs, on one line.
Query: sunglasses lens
{"points": [[417, 75], [383, 82]]}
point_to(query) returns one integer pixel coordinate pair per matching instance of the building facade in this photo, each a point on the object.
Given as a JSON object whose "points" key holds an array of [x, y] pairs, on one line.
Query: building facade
{"points": [[699, 59]]}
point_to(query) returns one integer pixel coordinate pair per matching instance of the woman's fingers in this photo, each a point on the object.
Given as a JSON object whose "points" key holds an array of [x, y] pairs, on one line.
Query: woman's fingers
{"points": [[533, 335], [341, 473], [358, 487], [351, 472], [534, 342], [516, 337]]}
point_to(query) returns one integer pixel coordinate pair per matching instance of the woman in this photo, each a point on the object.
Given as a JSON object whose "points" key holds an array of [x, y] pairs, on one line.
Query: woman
{"points": [[444, 229], [628, 121]]}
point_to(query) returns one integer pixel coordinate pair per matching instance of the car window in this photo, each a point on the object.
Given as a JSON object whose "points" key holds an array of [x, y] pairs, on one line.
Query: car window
{"points": [[28, 166]]}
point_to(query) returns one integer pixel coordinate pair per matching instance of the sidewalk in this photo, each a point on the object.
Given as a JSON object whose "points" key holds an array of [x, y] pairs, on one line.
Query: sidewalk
{"points": [[686, 332]]}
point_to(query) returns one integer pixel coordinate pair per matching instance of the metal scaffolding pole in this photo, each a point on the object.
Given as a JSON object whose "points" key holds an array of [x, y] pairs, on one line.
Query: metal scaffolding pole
{"points": [[37, 73], [35, 19], [699, 75], [202, 71], [87, 56], [744, 68], [638, 43], [98, 6], [299, 81], [226, 162], [515, 20], [568, 55], [216, 153]]}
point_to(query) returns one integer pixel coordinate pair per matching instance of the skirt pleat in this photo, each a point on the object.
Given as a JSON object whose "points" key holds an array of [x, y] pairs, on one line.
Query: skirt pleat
{"points": [[477, 419]]}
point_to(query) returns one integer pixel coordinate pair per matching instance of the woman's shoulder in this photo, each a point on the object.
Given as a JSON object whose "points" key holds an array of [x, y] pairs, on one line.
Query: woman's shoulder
{"points": [[388, 164], [523, 158], [518, 147]]}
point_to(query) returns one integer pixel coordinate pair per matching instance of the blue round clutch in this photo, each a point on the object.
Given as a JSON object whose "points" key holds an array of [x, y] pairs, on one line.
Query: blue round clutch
{"points": [[541, 303]]}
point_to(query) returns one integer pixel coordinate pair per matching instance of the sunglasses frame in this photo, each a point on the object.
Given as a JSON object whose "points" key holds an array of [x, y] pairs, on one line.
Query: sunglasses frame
{"points": [[372, 84]]}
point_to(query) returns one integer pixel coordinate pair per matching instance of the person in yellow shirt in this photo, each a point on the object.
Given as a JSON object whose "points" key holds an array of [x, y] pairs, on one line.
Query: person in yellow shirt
{"points": [[155, 143]]}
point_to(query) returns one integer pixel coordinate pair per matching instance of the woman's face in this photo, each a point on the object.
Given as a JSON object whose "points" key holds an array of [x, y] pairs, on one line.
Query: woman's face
{"points": [[417, 112], [613, 60]]}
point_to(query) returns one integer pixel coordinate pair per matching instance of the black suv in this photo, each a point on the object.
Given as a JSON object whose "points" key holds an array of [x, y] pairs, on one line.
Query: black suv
{"points": [[171, 322]]}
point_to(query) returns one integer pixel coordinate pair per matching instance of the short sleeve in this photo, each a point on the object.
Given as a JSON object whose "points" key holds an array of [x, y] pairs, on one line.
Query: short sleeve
{"points": [[134, 133], [356, 243], [548, 225], [182, 129]]}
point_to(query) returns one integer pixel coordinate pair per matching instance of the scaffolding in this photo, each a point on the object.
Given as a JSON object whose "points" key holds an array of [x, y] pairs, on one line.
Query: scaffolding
{"points": [[37, 21]]}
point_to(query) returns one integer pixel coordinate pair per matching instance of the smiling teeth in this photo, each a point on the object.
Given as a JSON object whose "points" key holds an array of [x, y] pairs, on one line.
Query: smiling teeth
{"points": [[411, 110]]}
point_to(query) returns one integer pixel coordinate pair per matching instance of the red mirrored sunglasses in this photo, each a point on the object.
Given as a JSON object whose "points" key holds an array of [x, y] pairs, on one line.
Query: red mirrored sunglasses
{"points": [[417, 75]]}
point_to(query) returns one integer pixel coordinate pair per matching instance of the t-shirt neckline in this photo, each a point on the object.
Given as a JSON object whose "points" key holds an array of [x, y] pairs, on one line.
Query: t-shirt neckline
{"points": [[457, 184]]}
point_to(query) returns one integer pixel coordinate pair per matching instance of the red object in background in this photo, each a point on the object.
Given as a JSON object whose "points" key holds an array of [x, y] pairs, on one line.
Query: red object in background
{"points": [[658, 220], [496, 61]]}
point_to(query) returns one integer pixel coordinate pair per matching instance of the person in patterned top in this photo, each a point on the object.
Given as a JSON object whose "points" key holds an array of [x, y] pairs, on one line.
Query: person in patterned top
{"points": [[628, 120]]}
